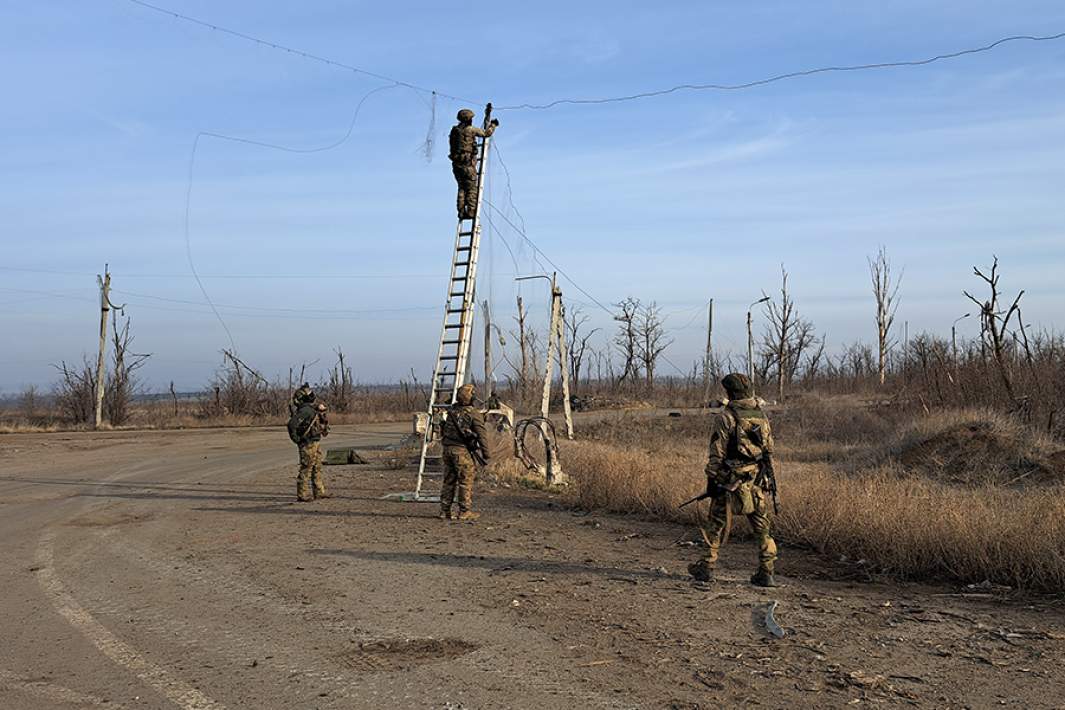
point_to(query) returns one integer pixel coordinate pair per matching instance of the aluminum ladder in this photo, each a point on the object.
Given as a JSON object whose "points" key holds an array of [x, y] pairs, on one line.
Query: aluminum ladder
{"points": [[453, 355]]}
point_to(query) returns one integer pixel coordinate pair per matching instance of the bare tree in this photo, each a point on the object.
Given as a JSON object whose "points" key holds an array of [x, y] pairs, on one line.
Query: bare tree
{"points": [[121, 383], [340, 388], [29, 402], [651, 339], [522, 336], [626, 338], [994, 323], [75, 393], [786, 338], [241, 389], [886, 292], [576, 322]]}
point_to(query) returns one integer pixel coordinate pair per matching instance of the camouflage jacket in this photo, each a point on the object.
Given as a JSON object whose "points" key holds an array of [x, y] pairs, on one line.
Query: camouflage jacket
{"points": [[320, 425], [451, 433], [732, 456], [463, 142]]}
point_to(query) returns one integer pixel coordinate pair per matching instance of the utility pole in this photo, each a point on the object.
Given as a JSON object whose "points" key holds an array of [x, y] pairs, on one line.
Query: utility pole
{"points": [[709, 351], [954, 344], [750, 340], [105, 307], [487, 350], [556, 339]]}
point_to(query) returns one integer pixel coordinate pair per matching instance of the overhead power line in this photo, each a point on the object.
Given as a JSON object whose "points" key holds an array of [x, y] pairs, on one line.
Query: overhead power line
{"points": [[612, 99], [301, 277], [786, 75], [292, 50]]}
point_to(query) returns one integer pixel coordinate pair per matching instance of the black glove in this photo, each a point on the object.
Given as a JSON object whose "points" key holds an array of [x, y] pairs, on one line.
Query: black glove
{"points": [[495, 121]]}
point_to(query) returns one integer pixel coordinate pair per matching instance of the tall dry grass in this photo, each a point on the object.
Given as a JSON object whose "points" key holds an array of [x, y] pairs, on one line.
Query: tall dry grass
{"points": [[900, 520]]}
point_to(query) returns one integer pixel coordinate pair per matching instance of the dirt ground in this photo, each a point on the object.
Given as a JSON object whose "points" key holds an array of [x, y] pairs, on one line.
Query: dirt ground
{"points": [[173, 569]]}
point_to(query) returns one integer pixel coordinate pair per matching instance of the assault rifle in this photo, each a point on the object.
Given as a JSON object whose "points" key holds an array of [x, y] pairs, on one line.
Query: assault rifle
{"points": [[696, 499], [473, 442], [713, 490], [767, 479]]}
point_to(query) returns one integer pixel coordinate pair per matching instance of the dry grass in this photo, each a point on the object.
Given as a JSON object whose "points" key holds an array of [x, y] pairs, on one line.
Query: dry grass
{"points": [[911, 522]]}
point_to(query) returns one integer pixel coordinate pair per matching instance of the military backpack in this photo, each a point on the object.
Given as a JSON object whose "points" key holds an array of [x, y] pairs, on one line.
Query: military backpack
{"points": [[748, 440], [302, 423]]}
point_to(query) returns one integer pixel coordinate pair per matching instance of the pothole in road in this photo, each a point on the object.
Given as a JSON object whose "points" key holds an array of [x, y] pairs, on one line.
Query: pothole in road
{"points": [[108, 520], [400, 654]]}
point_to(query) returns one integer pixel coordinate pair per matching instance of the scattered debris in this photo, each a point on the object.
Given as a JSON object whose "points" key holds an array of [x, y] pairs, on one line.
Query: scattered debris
{"points": [[771, 624]]}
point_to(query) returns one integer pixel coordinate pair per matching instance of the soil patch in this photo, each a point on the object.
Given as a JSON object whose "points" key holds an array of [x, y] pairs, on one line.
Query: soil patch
{"points": [[979, 452], [399, 654]]}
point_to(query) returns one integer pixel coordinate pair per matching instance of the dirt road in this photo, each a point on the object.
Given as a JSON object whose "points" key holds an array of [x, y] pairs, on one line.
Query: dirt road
{"points": [[172, 569]]}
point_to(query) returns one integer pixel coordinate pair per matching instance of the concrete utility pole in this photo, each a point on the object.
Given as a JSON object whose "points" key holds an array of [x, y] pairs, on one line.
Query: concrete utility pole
{"points": [[105, 307], [487, 350], [556, 338], [709, 351], [954, 343], [750, 340]]}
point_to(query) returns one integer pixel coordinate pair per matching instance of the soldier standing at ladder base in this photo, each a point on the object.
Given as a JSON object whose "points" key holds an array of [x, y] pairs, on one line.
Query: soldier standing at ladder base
{"points": [[465, 443], [463, 155]]}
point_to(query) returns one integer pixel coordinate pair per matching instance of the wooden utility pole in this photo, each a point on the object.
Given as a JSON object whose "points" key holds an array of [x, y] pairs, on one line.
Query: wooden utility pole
{"points": [[709, 351], [487, 350], [105, 307]]}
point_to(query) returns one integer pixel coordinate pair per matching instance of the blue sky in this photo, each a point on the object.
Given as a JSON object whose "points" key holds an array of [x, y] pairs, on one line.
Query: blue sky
{"points": [[675, 199]]}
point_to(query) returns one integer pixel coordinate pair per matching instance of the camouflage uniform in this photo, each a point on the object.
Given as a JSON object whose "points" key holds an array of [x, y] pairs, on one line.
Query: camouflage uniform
{"points": [[309, 483], [460, 468], [463, 155], [731, 468]]}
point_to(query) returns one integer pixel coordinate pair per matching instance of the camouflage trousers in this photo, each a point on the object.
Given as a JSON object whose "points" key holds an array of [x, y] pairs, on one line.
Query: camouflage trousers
{"points": [[751, 502], [309, 484], [459, 472], [466, 177]]}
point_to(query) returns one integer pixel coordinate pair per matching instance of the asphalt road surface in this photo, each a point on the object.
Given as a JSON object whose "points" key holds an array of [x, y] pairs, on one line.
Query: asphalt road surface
{"points": [[174, 570]]}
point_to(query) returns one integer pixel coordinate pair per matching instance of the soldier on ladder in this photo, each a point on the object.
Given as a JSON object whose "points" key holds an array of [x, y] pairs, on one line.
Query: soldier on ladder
{"points": [[463, 155]]}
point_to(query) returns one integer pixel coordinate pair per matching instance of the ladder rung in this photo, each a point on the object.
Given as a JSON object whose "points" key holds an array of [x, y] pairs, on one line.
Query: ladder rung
{"points": [[462, 263], [452, 342], [466, 234], [456, 310], [465, 248], [449, 357], [452, 326], [456, 293]]}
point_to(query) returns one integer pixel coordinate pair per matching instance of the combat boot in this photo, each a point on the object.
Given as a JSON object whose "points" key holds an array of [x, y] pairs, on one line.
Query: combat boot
{"points": [[763, 578], [322, 493], [701, 571], [468, 516], [445, 512]]}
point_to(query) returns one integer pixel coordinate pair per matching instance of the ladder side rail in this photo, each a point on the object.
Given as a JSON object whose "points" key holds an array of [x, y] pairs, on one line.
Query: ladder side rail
{"points": [[471, 271], [435, 385]]}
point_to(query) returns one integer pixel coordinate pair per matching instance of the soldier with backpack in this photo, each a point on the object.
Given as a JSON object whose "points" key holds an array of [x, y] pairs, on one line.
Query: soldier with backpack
{"points": [[741, 449], [306, 427], [462, 142], [465, 441]]}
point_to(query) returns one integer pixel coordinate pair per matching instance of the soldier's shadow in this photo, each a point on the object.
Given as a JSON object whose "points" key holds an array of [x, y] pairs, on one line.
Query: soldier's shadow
{"points": [[496, 564]]}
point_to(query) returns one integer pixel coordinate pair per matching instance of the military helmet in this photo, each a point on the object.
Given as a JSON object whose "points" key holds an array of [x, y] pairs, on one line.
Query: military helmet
{"points": [[737, 385], [466, 115], [466, 394], [303, 394]]}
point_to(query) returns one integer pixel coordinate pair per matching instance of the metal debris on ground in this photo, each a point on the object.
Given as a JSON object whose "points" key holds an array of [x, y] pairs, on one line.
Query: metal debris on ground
{"points": [[771, 624]]}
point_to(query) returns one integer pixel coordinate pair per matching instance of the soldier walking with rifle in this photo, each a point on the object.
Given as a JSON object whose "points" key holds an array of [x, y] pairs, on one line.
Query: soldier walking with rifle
{"points": [[465, 443], [739, 480]]}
